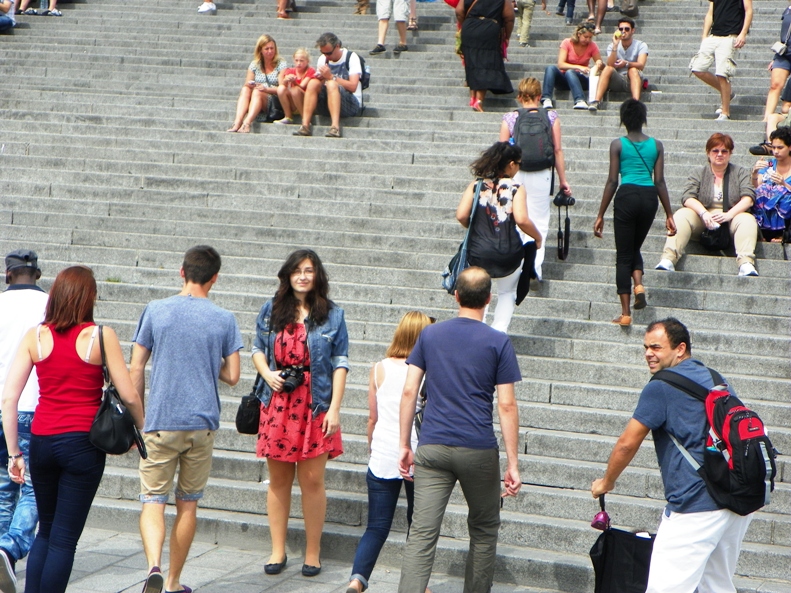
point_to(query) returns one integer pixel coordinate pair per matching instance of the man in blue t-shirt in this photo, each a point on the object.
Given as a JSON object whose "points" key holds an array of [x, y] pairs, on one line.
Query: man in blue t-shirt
{"points": [[193, 343], [463, 361], [698, 543]]}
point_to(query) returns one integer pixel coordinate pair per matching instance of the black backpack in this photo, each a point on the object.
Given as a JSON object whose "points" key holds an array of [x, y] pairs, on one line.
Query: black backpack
{"points": [[365, 77], [738, 458], [533, 134]]}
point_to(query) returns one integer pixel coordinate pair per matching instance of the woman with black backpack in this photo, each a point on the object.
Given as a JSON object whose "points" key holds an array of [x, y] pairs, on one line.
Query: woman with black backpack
{"points": [[537, 180], [495, 243]]}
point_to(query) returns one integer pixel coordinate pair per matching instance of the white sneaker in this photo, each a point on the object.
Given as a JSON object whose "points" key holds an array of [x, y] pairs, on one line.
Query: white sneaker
{"points": [[207, 8], [666, 265], [7, 575], [747, 270], [723, 117], [581, 105], [546, 104]]}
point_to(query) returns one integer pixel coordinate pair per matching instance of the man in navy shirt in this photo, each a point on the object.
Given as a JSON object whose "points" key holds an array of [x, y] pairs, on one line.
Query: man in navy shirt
{"points": [[464, 361], [698, 543]]}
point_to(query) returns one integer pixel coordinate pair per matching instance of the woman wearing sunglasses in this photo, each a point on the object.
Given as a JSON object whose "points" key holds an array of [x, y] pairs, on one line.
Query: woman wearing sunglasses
{"points": [[704, 195]]}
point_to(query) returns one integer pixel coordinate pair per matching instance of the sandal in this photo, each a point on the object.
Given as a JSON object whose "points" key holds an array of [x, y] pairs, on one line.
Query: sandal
{"points": [[477, 106], [623, 320], [412, 26], [639, 297], [283, 16], [234, 128], [303, 131], [333, 133]]}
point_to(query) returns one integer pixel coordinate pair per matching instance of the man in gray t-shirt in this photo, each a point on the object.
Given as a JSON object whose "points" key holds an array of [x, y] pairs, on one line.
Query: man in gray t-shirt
{"points": [[626, 59], [193, 343]]}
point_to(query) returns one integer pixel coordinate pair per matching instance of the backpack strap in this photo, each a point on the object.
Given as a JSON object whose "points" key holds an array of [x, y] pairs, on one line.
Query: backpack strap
{"points": [[681, 449], [688, 386]]}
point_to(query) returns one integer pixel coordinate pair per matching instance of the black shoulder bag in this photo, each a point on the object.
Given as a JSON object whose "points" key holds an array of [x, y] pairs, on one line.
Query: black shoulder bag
{"points": [[113, 429], [248, 415], [719, 239]]}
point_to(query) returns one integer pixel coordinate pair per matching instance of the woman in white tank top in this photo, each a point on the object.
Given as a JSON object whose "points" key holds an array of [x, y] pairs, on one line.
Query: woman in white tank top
{"points": [[384, 482]]}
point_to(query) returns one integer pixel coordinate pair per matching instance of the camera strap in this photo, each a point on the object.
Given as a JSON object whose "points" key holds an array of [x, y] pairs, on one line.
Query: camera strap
{"points": [[563, 237]]}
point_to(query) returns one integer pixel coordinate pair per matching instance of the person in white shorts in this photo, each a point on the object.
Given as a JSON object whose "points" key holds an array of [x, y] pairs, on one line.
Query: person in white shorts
{"points": [[399, 9], [724, 32], [698, 543]]}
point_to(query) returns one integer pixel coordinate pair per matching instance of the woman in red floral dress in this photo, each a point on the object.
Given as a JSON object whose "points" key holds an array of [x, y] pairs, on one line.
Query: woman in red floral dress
{"points": [[301, 351]]}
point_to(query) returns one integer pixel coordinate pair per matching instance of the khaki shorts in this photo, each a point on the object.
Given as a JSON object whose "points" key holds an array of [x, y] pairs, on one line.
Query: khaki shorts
{"points": [[190, 450], [718, 51]]}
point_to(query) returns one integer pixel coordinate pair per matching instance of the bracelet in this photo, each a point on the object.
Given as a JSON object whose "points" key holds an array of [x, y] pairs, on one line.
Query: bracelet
{"points": [[17, 456]]}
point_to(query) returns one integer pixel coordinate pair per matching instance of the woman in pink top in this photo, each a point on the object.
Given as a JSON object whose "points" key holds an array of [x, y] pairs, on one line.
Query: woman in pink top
{"points": [[572, 70], [65, 467]]}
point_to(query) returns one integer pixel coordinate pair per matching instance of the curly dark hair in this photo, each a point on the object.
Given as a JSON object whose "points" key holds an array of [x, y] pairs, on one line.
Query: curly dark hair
{"points": [[495, 159], [782, 134], [286, 305]]}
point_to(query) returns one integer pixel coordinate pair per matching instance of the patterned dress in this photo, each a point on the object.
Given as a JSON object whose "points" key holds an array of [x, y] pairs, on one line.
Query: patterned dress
{"points": [[288, 432]]}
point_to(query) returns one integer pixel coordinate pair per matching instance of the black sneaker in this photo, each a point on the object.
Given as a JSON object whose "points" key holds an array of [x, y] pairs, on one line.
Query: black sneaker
{"points": [[399, 48], [379, 49], [761, 149]]}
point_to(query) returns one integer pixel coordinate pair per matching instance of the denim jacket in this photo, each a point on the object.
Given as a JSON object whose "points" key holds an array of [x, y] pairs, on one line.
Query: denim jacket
{"points": [[328, 347]]}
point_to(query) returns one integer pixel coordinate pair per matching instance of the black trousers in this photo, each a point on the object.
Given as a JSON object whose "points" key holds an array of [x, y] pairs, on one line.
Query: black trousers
{"points": [[635, 209]]}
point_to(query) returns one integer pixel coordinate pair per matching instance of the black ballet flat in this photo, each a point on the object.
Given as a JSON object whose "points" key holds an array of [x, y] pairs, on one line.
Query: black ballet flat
{"points": [[310, 571], [276, 567]]}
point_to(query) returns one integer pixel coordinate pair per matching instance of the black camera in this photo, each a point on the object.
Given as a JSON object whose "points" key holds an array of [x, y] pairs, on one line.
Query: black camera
{"points": [[292, 377], [561, 199]]}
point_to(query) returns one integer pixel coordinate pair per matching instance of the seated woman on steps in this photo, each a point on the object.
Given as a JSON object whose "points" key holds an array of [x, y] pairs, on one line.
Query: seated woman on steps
{"points": [[259, 91], [702, 207], [292, 83], [572, 70], [384, 481], [772, 180]]}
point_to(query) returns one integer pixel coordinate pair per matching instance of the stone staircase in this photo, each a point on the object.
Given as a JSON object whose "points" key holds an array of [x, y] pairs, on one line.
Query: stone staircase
{"points": [[113, 154]]}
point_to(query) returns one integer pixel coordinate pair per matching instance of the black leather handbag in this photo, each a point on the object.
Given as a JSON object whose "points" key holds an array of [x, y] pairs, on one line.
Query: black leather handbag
{"points": [[113, 429], [719, 239], [248, 416]]}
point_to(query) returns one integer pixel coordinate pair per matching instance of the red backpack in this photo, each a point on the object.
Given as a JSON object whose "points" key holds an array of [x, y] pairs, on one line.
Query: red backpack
{"points": [[738, 458]]}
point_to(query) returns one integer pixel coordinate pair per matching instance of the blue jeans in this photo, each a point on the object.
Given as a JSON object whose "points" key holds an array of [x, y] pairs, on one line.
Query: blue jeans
{"points": [[6, 23], [18, 514], [569, 5], [569, 80], [66, 470], [382, 501]]}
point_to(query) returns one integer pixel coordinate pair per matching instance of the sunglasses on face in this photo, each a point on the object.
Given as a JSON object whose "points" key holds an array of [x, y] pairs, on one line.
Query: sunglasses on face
{"points": [[720, 150], [625, 29]]}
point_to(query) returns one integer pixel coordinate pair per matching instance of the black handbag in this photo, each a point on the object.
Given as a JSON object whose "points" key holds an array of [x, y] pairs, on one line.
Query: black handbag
{"points": [[113, 429], [719, 239], [248, 416], [621, 560]]}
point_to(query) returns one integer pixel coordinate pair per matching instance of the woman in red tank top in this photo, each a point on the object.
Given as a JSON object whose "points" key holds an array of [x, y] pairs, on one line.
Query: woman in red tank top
{"points": [[65, 468]]}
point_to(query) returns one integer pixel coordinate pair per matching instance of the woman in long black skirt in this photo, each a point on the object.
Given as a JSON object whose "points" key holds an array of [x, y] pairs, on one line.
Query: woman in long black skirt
{"points": [[486, 27], [640, 161]]}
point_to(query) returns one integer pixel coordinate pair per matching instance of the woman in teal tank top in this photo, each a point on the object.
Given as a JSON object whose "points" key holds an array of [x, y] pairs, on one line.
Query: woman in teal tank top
{"points": [[639, 160]]}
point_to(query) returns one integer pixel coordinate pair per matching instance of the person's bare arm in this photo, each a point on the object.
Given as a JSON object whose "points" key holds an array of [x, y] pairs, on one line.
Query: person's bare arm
{"points": [[140, 356], [119, 374], [560, 159], [661, 188], [230, 369], [505, 133], [508, 20], [509, 426], [15, 382], [708, 20], [522, 217], [332, 419], [609, 187], [373, 411], [5, 6], [741, 39], [406, 419], [622, 454], [464, 209]]}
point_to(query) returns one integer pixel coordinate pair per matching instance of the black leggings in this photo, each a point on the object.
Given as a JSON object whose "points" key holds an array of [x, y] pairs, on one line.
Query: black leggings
{"points": [[635, 208]]}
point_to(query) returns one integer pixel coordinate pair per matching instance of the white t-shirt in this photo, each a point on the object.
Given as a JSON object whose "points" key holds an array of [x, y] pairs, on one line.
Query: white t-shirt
{"points": [[385, 439], [629, 54], [354, 68], [21, 308]]}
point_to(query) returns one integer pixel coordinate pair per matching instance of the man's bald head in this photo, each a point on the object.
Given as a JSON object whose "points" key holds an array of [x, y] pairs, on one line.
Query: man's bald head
{"points": [[473, 288]]}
